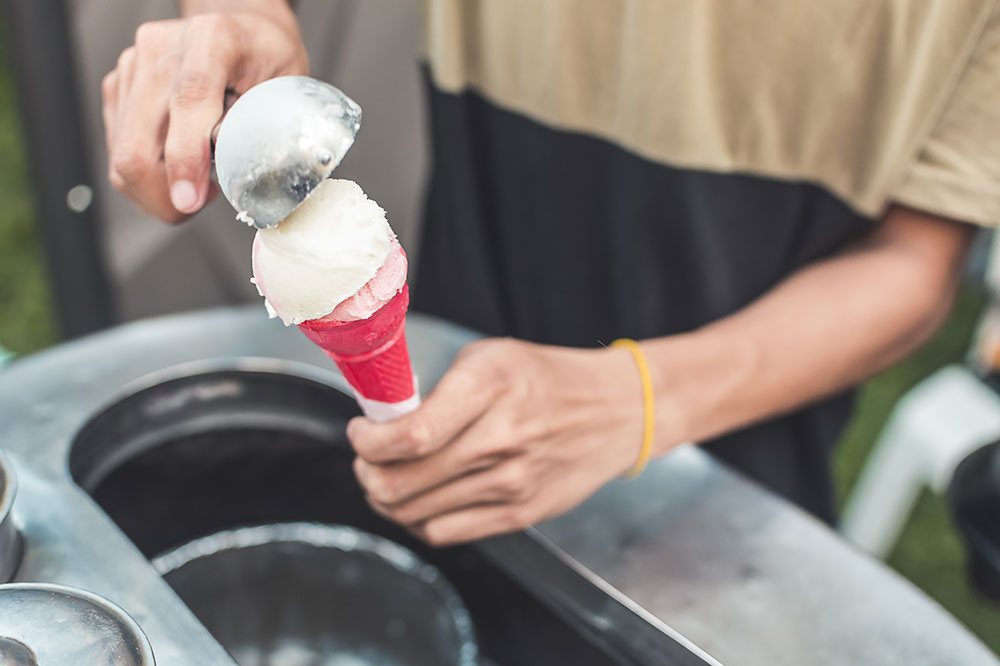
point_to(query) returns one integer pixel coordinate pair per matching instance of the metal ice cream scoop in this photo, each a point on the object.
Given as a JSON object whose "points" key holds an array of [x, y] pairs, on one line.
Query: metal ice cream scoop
{"points": [[278, 142]]}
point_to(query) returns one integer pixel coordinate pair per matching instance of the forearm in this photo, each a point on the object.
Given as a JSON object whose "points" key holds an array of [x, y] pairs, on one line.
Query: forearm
{"points": [[826, 327], [280, 10], [191, 7]]}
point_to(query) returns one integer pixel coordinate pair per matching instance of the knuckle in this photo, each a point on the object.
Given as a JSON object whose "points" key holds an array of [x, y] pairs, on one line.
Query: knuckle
{"points": [[217, 26], [501, 356], [360, 468], [147, 33], [507, 437], [381, 487], [530, 388], [186, 151], [435, 535], [518, 517], [109, 84], [490, 349], [131, 165], [116, 180], [193, 86], [403, 516], [481, 366], [512, 481], [370, 452], [501, 443], [475, 347], [420, 436], [126, 57], [210, 21], [502, 348]]}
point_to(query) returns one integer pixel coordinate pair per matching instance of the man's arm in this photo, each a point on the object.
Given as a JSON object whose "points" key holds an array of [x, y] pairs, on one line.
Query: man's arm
{"points": [[190, 7], [517, 432], [828, 326]]}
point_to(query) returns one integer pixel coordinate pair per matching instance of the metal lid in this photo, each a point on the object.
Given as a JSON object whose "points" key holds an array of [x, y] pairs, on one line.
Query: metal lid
{"points": [[54, 625], [10, 541]]}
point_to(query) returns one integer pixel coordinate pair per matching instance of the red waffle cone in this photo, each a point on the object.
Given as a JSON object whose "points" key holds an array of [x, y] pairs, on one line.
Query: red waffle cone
{"points": [[371, 353]]}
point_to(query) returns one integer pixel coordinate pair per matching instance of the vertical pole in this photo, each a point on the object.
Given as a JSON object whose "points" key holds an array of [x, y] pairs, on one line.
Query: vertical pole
{"points": [[40, 50]]}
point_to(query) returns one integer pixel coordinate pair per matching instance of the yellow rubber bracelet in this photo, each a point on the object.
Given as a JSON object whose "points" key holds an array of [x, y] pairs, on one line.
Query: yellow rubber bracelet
{"points": [[649, 406]]}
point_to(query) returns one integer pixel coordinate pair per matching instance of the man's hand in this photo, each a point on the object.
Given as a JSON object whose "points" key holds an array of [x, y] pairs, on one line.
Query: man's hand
{"points": [[516, 432], [513, 434], [167, 93]]}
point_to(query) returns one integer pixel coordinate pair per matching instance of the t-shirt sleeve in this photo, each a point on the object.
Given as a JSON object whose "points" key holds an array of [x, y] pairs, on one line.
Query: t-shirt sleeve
{"points": [[956, 172]]}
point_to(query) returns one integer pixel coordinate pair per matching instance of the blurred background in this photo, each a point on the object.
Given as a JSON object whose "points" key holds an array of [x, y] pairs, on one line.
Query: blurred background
{"points": [[58, 226]]}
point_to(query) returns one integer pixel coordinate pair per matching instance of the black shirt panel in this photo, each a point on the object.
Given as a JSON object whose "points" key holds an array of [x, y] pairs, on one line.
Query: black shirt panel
{"points": [[564, 238]]}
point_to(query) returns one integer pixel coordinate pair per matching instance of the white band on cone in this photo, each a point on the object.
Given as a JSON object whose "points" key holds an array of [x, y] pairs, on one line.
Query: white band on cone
{"points": [[380, 412]]}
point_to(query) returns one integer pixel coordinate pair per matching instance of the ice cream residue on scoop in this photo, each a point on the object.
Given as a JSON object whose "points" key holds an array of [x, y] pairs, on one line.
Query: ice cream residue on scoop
{"points": [[324, 253]]}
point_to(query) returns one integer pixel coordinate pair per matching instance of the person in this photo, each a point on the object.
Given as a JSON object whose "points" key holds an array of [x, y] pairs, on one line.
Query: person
{"points": [[774, 197]]}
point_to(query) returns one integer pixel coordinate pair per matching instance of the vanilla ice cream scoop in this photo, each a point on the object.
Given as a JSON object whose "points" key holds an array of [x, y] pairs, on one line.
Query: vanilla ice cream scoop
{"points": [[327, 251]]}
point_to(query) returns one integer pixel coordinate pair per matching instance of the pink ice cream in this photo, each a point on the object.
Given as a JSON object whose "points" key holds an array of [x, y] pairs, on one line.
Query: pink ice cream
{"points": [[388, 281]]}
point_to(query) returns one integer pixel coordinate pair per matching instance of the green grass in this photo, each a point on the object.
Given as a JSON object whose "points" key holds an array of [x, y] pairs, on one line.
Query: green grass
{"points": [[928, 553], [26, 321]]}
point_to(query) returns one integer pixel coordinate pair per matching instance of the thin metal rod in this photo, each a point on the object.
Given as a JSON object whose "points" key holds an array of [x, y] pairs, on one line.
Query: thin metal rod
{"points": [[40, 51]]}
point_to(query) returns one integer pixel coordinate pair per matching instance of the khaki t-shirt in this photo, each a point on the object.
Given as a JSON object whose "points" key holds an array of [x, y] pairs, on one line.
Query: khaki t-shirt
{"points": [[639, 168], [877, 100]]}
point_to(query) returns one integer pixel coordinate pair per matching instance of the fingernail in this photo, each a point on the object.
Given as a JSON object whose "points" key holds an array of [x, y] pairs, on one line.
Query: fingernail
{"points": [[183, 196]]}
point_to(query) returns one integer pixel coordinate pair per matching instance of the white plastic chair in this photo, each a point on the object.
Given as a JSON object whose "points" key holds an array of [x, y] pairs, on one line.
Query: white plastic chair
{"points": [[932, 428]]}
